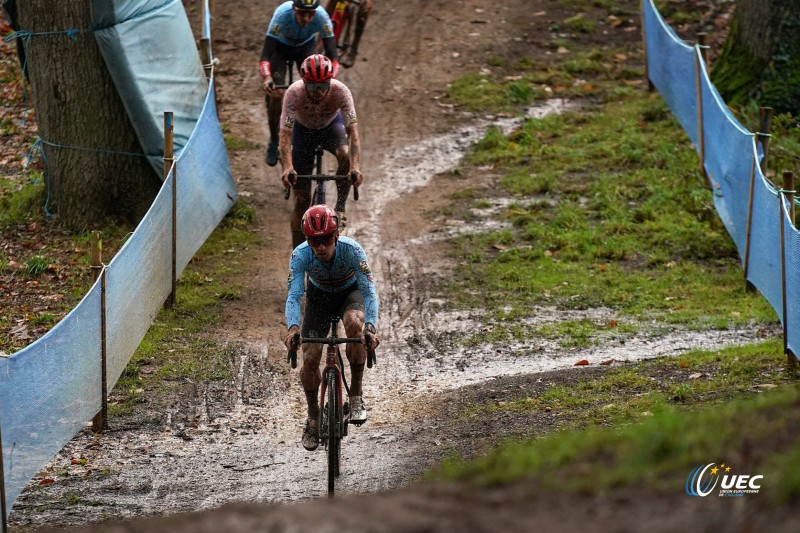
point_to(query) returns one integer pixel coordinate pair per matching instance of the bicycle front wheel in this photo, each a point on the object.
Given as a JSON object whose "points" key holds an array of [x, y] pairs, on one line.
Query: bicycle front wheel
{"points": [[334, 429]]}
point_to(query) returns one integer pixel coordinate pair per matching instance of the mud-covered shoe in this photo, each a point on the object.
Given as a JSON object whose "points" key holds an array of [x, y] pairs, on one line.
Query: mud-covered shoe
{"points": [[271, 157], [349, 58], [342, 222], [311, 435], [358, 410]]}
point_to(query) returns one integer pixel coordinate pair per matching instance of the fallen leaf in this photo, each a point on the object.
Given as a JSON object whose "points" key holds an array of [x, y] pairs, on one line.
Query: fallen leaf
{"points": [[500, 247], [697, 375], [47, 481], [766, 386], [582, 362], [608, 362]]}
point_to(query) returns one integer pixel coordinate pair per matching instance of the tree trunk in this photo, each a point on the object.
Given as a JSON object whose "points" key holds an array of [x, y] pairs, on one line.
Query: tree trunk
{"points": [[94, 164], [761, 57]]}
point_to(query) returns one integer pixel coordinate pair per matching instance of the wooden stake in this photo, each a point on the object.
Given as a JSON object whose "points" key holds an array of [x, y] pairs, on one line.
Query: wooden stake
{"points": [[650, 87], [100, 420], [169, 159], [700, 135], [749, 287], [763, 135]]}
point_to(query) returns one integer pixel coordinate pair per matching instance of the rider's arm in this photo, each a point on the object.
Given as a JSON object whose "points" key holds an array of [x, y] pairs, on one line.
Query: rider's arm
{"points": [[296, 285], [330, 48], [355, 146], [366, 284], [265, 65]]}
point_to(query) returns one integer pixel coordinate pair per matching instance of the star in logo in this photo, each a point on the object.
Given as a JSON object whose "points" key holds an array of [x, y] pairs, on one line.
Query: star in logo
{"points": [[714, 471]]}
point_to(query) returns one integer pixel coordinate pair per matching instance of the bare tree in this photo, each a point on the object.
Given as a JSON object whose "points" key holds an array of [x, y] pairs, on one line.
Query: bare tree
{"points": [[761, 57], [95, 167]]}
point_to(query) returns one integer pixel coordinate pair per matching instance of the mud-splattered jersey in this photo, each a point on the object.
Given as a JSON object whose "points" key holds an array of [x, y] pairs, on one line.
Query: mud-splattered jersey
{"points": [[349, 266], [297, 106], [284, 27]]}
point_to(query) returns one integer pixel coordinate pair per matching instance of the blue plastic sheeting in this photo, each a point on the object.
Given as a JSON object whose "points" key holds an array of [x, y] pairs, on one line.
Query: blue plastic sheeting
{"points": [[206, 192], [729, 153], [48, 390], [138, 281], [764, 267], [730, 160], [152, 56], [671, 69], [51, 388], [792, 252]]}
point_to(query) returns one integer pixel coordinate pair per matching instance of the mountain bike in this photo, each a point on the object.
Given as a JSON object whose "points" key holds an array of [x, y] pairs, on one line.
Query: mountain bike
{"points": [[334, 415]]}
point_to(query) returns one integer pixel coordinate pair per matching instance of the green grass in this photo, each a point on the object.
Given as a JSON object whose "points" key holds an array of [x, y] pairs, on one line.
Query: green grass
{"points": [[631, 426], [175, 347], [610, 213]]}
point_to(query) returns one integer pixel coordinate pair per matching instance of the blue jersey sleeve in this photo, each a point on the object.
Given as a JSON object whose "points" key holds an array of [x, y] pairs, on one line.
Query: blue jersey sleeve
{"points": [[296, 286], [366, 284]]}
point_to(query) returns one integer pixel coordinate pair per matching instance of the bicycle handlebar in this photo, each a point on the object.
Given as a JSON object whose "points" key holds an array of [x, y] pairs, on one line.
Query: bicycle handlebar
{"points": [[322, 177], [292, 355]]}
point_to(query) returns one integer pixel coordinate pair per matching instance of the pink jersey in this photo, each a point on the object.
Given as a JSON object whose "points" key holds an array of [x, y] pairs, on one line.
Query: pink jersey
{"points": [[297, 106]]}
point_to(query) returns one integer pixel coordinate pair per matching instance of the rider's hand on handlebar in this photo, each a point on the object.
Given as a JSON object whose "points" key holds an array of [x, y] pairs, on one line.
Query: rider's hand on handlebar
{"points": [[290, 337], [356, 177], [369, 329], [268, 85], [289, 177]]}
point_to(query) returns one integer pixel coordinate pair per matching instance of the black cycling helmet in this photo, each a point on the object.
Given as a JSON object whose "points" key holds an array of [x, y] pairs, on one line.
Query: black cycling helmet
{"points": [[305, 5]]}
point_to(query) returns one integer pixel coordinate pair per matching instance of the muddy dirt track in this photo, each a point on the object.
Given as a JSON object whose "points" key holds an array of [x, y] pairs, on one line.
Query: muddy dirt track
{"points": [[223, 443]]}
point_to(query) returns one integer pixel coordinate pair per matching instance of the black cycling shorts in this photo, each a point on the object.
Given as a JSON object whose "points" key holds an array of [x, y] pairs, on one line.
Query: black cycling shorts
{"points": [[305, 141], [321, 305]]}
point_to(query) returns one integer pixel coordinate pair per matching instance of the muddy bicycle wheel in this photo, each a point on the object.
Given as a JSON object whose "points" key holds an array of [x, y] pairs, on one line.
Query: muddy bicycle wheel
{"points": [[334, 429]]}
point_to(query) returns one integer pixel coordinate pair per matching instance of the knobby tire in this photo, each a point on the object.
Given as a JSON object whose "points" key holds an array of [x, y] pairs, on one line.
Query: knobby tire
{"points": [[334, 429]]}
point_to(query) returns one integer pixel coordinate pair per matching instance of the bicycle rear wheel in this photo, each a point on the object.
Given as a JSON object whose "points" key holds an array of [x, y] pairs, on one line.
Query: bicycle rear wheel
{"points": [[334, 429]]}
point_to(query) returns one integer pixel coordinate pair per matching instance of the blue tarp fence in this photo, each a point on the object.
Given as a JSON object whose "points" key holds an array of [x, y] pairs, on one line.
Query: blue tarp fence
{"points": [[49, 389], [753, 210]]}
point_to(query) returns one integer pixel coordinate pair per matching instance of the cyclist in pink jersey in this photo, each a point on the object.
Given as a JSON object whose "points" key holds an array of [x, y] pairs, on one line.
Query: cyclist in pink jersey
{"points": [[318, 111]]}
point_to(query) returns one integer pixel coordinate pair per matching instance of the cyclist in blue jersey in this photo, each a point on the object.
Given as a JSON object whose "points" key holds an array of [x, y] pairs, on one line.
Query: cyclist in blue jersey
{"points": [[339, 282], [291, 36]]}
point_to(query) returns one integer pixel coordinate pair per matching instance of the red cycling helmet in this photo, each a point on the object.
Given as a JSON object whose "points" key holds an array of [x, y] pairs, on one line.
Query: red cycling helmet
{"points": [[317, 69], [320, 220]]}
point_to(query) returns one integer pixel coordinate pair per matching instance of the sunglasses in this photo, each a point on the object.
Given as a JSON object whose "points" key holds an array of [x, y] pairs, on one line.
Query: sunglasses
{"points": [[325, 240], [322, 86]]}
